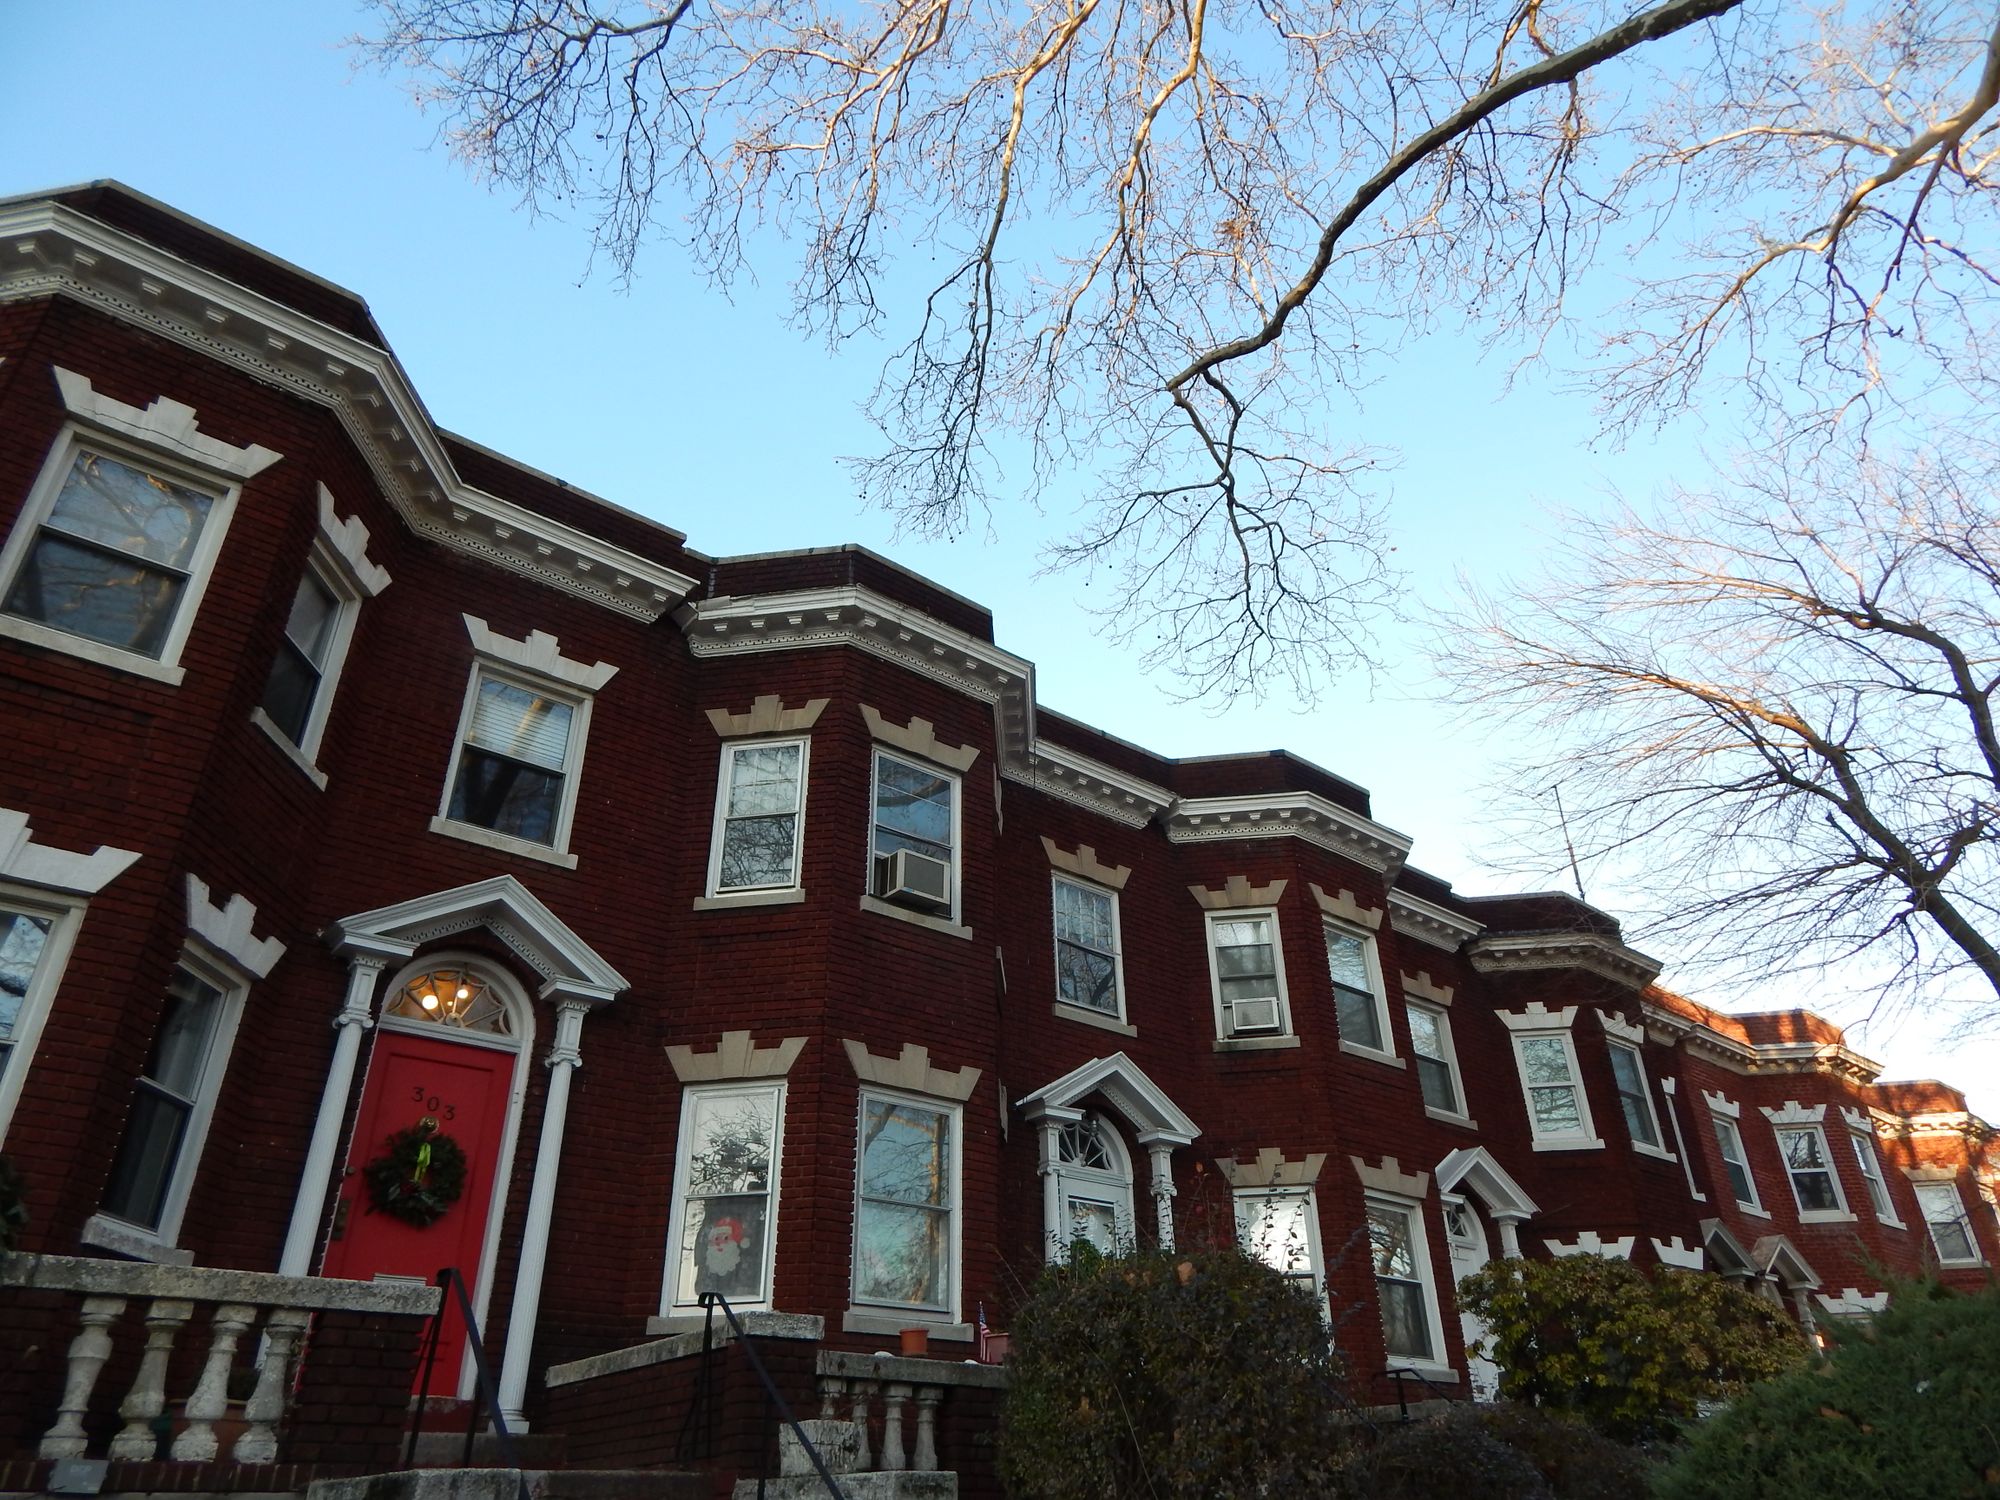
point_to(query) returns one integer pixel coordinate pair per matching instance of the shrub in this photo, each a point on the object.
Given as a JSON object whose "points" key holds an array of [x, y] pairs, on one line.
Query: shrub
{"points": [[1502, 1452], [1908, 1405], [1165, 1375], [1632, 1355]]}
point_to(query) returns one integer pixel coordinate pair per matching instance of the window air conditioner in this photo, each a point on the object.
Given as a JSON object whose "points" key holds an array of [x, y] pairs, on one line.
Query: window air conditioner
{"points": [[1260, 1014], [913, 878]]}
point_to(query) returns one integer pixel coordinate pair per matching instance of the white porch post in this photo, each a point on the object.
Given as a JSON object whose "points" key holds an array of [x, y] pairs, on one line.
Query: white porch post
{"points": [[1162, 1153], [1510, 1237], [563, 1059], [1049, 1167], [356, 1016]]}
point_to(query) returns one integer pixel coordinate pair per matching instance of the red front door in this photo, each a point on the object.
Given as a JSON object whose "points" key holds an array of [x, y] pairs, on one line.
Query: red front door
{"points": [[463, 1087]]}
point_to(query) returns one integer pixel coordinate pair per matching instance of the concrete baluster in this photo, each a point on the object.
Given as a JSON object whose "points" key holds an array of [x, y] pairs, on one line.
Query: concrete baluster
{"points": [[925, 1459], [831, 1388], [862, 1390], [148, 1396], [894, 1398], [87, 1353], [282, 1331], [210, 1399]]}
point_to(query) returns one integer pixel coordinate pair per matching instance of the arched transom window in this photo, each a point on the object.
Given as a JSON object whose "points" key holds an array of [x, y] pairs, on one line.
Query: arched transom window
{"points": [[455, 998]]}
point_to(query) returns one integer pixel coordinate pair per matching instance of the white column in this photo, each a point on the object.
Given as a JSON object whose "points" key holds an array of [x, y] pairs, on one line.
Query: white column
{"points": [[356, 1016], [1510, 1237], [562, 1061], [1054, 1244], [1164, 1190]]}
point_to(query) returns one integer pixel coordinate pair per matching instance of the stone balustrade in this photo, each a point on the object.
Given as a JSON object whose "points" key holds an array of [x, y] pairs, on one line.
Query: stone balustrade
{"points": [[850, 1385], [265, 1317]]}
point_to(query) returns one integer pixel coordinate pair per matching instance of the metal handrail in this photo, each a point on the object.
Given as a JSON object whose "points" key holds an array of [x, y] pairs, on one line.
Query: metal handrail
{"points": [[772, 1396], [453, 1285], [1396, 1374]]}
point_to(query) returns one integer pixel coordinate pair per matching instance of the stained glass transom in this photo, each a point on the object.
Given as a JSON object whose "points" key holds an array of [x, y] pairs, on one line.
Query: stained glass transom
{"points": [[454, 998]]}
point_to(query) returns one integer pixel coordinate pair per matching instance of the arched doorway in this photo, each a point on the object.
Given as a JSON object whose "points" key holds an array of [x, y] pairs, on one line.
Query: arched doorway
{"points": [[441, 1102], [1093, 1187]]}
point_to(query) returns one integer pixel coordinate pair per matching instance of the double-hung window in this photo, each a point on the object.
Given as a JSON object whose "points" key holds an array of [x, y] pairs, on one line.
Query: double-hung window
{"points": [[1400, 1256], [759, 817], [1814, 1183], [155, 1164], [906, 1205], [1088, 971], [35, 936], [1248, 974], [1437, 1063], [1729, 1142], [1870, 1162], [1279, 1227], [914, 835], [1635, 1102], [1359, 1010], [1951, 1228], [293, 692], [1558, 1111], [725, 1195], [24, 937]]}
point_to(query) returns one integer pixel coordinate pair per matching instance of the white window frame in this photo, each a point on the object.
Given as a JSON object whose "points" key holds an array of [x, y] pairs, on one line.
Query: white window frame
{"points": [[106, 1229], [677, 1218], [64, 919], [1963, 1217], [556, 851], [1377, 992], [954, 1253], [1418, 1226], [1718, 1123], [1658, 1146], [40, 504], [1838, 1214], [1868, 1158], [1224, 1031], [730, 750], [877, 753], [1585, 1137], [1065, 1007], [1315, 1274], [1442, 1015]]}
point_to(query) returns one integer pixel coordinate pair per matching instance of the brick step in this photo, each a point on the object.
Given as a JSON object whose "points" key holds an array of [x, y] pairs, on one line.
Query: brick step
{"points": [[541, 1484]]}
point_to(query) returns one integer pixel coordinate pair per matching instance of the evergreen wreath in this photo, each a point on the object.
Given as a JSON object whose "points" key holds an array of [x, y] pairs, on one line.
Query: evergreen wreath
{"points": [[418, 1177]]}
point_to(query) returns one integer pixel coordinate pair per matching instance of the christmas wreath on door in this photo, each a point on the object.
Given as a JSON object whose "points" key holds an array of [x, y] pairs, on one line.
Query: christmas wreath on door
{"points": [[418, 1176]]}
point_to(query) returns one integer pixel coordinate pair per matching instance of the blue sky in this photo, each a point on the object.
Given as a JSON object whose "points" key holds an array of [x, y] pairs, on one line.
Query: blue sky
{"points": [[712, 415]]}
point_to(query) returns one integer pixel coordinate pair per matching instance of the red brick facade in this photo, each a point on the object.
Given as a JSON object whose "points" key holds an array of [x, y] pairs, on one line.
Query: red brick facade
{"points": [[138, 305]]}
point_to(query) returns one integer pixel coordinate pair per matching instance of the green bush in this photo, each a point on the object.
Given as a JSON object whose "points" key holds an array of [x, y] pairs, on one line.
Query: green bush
{"points": [[1170, 1376], [1632, 1355], [1906, 1406], [1504, 1452]]}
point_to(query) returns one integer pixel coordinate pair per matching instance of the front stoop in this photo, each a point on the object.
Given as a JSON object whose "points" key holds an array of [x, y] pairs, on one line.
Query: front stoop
{"points": [[839, 1445], [506, 1484]]}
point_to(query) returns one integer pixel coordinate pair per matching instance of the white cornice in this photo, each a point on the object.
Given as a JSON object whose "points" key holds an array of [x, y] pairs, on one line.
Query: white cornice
{"points": [[1073, 777], [1305, 815], [1746, 1058], [1417, 918], [49, 250], [1517, 952]]}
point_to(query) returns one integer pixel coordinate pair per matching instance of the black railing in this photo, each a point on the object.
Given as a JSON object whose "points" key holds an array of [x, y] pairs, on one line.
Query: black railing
{"points": [[488, 1398], [702, 1409], [1398, 1374]]}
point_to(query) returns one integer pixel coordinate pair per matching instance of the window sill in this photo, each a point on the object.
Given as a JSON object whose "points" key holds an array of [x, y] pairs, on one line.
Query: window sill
{"points": [[102, 1232], [1592, 1144], [859, 1320], [1254, 1043], [945, 925], [506, 843], [1374, 1054], [1826, 1216], [1088, 1017], [1960, 1265], [757, 1322], [1464, 1122], [292, 752], [1431, 1370], [1892, 1223], [1658, 1153], [730, 900], [1752, 1209], [37, 634]]}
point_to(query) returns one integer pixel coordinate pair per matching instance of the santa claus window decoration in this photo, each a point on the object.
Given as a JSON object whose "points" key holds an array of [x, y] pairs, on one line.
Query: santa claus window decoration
{"points": [[725, 1195]]}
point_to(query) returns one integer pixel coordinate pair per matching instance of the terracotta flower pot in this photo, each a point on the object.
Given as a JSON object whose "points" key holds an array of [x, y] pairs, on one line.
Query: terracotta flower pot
{"points": [[916, 1342]]}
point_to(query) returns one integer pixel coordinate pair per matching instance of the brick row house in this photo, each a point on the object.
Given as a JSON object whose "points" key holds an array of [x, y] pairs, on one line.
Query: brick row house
{"points": [[736, 925]]}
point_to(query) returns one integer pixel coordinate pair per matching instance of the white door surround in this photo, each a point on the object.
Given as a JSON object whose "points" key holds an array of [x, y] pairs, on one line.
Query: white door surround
{"points": [[1157, 1123]]}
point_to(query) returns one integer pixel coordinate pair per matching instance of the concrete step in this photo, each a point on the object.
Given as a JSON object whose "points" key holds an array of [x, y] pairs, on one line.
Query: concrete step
{"points": [[507, 1484], [874, 1485], [837, 1443]]}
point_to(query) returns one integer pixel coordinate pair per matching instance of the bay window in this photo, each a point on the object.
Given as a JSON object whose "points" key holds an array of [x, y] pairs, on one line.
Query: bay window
{"points": [[1950, 1226], [1814, 1183], [759, 817], [906, 1205], [1400, 1256], [1088, 968], [1247, 973], [1279, 1227], [725, 1214], [1558, 1111], [1360, 1012], [1628, 1077], [1729, 1142], [1437, 1063]]}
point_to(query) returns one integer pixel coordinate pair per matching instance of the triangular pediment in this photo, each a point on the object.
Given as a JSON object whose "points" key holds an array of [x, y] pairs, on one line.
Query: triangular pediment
{"points": [[1473, 1167], [1152, 1115]]}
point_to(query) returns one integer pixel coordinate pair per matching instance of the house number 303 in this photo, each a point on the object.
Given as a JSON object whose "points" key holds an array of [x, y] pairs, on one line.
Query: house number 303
{"points": [[421, 1095]]}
